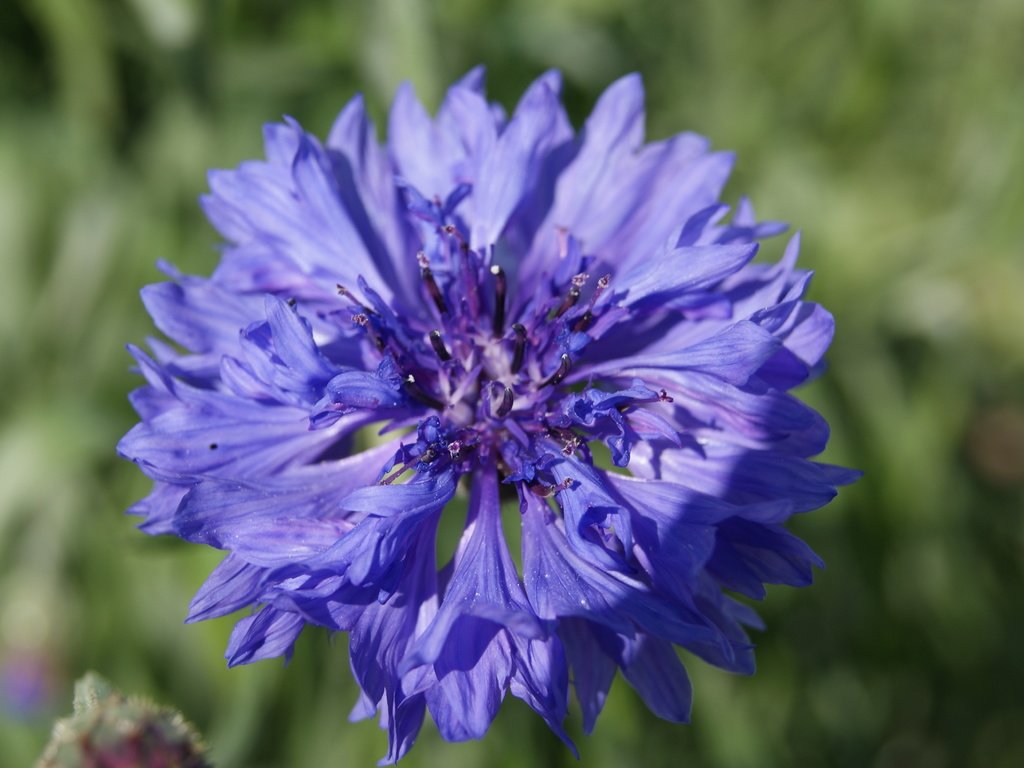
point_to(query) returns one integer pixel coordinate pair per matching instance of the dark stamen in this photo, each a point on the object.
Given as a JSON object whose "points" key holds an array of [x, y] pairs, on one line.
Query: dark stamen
{"points": [[500, 288], [439, 348], [563, 369], [507, 400], [583, 321], [432, 288], [418, 393], [568, 303], [520, 347], [578, 281]]}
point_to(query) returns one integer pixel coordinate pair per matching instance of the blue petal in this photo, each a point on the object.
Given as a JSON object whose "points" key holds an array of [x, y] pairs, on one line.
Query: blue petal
{"points": [[207, 433], [465, 700], [682, 270], [742, 476], [483, 594], [541, 679], [384, 632], [422, 155], [471, 657], [592, 668], [202, 317], [158, 508], [511, 167], [393, 516], [560, 583], [733, 355], [264, 635], [278, 520], [749, 553], [614, 129], [282, 352], [355, 390], [652, 667], [231, 586]]}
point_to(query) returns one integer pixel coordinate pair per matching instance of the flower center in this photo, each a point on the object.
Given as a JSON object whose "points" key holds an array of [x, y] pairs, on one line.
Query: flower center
{"points": [[488, 362]]}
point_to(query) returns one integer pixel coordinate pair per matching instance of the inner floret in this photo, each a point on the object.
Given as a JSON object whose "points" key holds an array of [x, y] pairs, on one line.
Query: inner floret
{"points": [[488, 365]]}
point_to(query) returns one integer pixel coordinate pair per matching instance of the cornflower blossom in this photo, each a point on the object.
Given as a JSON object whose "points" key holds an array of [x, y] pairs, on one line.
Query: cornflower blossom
{"points": [[479, 311]]}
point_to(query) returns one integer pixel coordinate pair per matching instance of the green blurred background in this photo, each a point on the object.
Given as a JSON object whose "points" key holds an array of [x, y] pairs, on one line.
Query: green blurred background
{"points": [[891, 132]]}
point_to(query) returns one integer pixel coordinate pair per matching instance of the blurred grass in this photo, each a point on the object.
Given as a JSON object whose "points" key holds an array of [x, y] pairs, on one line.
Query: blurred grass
{"points": [[891, 132]]}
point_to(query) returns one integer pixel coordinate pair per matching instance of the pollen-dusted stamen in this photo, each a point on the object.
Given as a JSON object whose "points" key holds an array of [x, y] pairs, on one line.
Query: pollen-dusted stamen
{"points": [[363, 321], [432, 287], [439, 348], [578, 281], [500, 289], [547, 491], [563, 370], [452, 231], [520, 346], [343, 291], [507, 401], [417, 392]]}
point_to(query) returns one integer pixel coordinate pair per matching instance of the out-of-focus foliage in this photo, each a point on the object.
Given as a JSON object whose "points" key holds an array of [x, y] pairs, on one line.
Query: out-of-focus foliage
{"points": [[891, 131]]}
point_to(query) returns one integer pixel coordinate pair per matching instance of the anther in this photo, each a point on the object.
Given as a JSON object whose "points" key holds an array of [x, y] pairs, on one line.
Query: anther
{"points": [[664, 397], [292, 301], [507, 400], [568, 302], [452, 231], [602, 284], [363, 321], [418, 393], [583, 321], [563, 369], [520, 346], [432, 288], [439, 348], [500, 289], [547, 491]]}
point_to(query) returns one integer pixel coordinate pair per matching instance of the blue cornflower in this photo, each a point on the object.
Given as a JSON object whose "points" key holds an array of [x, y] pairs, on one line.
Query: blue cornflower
{"points": [[496, 300]]}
